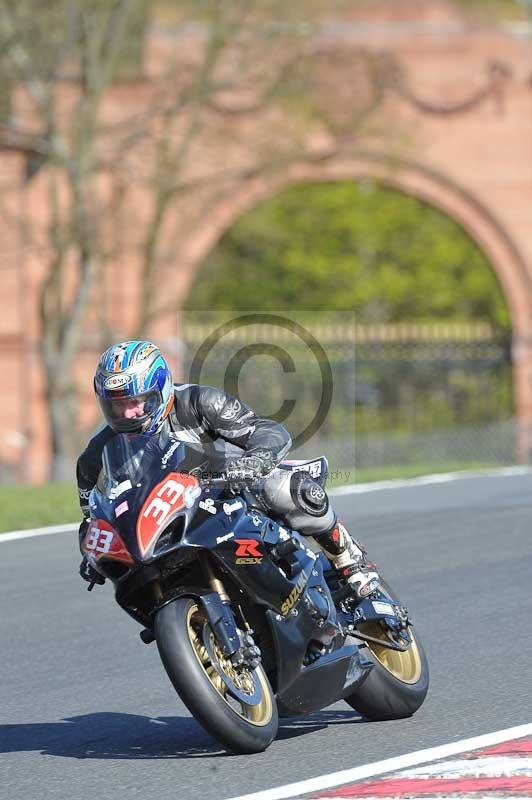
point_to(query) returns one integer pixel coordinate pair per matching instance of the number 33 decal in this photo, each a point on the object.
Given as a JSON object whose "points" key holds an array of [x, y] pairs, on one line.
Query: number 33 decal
{"points": [[99, 540]]}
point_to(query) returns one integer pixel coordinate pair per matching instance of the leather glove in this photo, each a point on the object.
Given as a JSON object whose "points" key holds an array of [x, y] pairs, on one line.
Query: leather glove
{"points": [[269, 461], [245, 468], [88, 573]]}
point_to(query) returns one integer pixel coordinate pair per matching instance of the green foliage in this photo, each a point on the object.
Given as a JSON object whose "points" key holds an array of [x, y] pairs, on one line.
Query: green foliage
{"points": [[360, 246], [511, 8]]}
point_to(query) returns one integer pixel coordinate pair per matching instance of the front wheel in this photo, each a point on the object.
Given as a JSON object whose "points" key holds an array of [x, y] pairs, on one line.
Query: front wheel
{"points": [[398, 682], [237, 707]]}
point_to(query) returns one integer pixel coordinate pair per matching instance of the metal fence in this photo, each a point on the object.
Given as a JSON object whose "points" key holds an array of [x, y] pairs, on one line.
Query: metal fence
{"points": [[400, 395], [468, 445]]}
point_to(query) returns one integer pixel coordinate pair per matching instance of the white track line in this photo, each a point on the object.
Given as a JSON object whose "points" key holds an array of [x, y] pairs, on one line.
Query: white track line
{"points": [[337, 491], [12, 535], [295, 790], [425, 480]]}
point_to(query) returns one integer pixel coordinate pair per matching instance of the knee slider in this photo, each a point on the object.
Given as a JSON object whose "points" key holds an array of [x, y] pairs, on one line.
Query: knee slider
{"points": [[307, 495]]}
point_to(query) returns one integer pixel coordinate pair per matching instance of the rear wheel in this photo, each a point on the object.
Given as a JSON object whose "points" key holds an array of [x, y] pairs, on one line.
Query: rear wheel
{"points": [[397, 684], [236, 706]]}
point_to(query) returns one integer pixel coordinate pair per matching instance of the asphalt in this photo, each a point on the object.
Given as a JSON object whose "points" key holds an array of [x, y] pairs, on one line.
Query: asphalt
{"points": [[87, 711]]}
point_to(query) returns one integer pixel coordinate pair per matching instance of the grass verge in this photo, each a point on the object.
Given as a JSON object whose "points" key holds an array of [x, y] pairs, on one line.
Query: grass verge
{"points": [[23, 507], [36, 506]]}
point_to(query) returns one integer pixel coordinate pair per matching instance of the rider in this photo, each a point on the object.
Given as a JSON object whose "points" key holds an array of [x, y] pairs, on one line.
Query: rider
{"points": [[134, 388]]}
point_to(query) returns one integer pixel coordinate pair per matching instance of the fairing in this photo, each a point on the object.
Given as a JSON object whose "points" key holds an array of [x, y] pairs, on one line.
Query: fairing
{"points": [[151, 519]]}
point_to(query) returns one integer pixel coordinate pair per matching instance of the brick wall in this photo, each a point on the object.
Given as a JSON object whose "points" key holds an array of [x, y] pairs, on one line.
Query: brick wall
{"points": [[459, 117]]}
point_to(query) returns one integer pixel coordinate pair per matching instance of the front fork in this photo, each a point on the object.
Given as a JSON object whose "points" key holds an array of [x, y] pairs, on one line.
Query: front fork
{"points": [[239, 647], [213, 581]]}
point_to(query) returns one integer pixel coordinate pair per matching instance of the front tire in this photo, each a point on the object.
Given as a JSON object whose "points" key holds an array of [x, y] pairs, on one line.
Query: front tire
{"points": [[201, 676], [398, 682]]}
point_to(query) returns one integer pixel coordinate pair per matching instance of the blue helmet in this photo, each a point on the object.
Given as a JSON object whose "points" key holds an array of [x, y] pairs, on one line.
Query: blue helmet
{"points": [[134, 387]]}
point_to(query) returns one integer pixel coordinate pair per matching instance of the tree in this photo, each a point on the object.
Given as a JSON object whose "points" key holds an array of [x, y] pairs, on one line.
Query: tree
{"points": [[58, 64], [94, 157], [375, 250]]}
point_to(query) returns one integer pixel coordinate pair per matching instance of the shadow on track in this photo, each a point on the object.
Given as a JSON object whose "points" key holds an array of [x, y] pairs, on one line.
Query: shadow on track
{"points": [[299, 726], [131, 736], [111, 735]]}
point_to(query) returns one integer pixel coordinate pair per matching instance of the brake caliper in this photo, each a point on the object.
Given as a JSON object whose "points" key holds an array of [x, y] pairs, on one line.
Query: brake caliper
{"points": [[248, 654]]}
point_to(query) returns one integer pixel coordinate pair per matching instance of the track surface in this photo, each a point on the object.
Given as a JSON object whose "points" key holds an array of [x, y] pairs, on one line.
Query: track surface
{"points": [[87, 711]]}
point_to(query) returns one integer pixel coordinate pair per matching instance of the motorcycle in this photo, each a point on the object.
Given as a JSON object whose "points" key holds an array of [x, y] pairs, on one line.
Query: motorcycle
{"points": [[251, 624]]}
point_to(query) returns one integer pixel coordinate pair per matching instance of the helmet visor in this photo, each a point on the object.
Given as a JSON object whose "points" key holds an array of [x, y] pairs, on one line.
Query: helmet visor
{"points": [[130, 414]]}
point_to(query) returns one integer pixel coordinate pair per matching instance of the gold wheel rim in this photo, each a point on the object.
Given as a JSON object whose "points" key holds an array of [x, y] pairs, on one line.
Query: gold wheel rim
{"points": [[405, 665], [260, 714]]}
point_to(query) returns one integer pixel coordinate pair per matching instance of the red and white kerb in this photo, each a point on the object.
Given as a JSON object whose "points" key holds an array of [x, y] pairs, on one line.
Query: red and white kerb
{"points": [[488, 774]]}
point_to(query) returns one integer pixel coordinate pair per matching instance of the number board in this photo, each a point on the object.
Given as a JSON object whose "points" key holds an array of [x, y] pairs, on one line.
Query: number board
{"points": [[103, 541], [176, 492]]}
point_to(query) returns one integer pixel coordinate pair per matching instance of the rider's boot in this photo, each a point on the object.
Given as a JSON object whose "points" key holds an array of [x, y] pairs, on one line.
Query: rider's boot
{"points": [[348, 558]]}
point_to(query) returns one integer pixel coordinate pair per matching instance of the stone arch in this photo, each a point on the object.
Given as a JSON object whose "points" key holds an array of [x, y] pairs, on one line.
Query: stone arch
{"points": [[433, 187]]}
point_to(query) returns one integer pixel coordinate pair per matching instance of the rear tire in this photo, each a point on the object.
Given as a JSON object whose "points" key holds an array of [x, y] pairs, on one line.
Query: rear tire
{"points": [[180, 628], [398, 682]]}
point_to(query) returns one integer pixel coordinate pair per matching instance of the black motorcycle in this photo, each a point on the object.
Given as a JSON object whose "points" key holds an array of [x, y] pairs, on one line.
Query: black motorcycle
{"points": [[251, 624]]}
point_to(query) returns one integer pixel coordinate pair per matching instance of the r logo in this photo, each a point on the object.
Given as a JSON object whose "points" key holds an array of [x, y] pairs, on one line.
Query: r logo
{"points": [[248, 548]]}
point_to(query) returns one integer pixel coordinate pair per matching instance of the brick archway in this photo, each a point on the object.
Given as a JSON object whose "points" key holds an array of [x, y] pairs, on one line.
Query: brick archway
{"points": [[411, 178], [433, 187], [457, 118]]}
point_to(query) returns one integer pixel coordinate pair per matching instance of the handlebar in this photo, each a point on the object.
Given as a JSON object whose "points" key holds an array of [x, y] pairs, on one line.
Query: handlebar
{"points": [[214, 481], [225, 481]]}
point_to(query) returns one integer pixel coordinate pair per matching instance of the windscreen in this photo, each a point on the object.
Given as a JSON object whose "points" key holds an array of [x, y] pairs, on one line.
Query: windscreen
{"points": [[134, 456]]}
